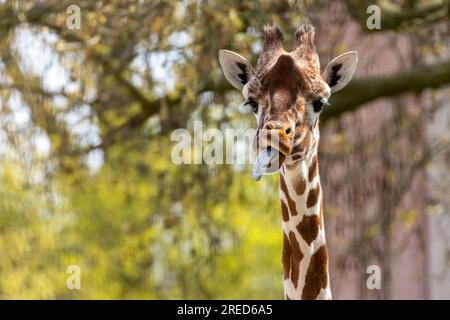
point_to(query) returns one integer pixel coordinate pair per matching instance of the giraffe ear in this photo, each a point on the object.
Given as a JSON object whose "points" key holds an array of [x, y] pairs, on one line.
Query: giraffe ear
{"points": [[340, 70], [236, 68]]}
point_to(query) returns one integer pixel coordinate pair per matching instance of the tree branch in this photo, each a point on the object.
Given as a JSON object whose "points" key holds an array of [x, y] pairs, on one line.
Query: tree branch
{"points": [[394, 16], [363, 90]]}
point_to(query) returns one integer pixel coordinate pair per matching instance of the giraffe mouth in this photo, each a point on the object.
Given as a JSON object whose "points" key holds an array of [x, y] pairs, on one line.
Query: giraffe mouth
{"points": [[267, 162]]}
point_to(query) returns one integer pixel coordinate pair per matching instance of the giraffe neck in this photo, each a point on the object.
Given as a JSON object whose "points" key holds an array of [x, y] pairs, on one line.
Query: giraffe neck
{"points": [[305, 257]]}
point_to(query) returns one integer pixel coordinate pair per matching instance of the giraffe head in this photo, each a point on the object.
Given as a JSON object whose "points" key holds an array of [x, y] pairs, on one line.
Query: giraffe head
{"points": [[286, 93]]}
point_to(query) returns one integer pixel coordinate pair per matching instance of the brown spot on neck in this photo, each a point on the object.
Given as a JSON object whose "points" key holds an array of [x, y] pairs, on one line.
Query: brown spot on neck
{"points": [[290, 202], [284, 211], [313, 197], [299, 185], [313, 169], [309, 228], [317, 274], [296, 257], [286, 257]]}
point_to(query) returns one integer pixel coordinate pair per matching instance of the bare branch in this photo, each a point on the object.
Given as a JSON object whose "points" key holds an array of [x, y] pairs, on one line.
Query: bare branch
{"points": [[364, 90], [395, 16]]}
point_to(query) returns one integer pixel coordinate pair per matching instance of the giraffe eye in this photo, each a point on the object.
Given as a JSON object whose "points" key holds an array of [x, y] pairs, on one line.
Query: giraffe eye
{"points": [[253, 104], [317, 105]]}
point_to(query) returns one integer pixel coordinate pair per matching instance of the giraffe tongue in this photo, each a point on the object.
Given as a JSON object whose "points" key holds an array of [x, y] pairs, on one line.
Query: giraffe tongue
{"points": [[265, 163]]}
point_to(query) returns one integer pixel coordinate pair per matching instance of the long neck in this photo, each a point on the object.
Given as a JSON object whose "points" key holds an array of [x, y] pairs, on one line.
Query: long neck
{"points": [[305, 256]]}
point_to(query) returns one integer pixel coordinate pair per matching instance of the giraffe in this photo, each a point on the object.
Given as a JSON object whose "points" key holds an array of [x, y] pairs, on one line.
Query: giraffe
{"points": [[287, 93]]}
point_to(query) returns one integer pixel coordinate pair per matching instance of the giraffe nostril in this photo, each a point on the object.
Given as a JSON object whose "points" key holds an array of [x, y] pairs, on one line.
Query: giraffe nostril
{"points": [[288, 130]]}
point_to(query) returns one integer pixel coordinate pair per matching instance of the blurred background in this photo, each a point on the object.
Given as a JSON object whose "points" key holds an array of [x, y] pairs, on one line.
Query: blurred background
{"points": [[87, 107]]}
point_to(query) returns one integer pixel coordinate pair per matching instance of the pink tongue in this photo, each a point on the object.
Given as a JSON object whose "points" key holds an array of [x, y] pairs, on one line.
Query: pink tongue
{"points": [[265, 163]]}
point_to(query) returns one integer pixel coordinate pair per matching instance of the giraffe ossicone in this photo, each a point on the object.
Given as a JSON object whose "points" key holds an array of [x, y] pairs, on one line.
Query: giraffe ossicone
{"points": [[287, 93]]}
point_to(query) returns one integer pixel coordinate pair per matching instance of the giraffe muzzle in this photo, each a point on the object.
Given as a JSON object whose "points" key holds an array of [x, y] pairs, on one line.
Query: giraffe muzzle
{"points": [[272, 146], [267, 162]]}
